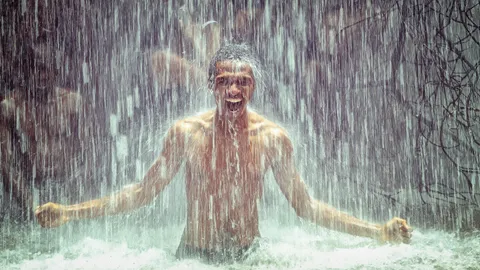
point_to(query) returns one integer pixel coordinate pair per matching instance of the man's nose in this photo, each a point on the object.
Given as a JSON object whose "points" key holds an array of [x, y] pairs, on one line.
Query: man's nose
{"points": [[233, 90]]}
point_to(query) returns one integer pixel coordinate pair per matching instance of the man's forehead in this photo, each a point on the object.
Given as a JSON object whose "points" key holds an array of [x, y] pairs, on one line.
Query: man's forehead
{"points": [[233, 67]]}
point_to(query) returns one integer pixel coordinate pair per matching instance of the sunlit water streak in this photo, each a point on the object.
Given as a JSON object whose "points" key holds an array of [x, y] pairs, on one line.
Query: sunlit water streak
{"points": [[119, 243]]}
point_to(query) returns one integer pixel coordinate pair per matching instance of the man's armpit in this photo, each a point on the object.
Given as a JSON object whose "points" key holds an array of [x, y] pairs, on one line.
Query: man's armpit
{"points": [[280, 144]]}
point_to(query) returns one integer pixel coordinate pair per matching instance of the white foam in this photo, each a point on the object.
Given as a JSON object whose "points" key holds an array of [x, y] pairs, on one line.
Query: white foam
{"points": [[291, 247]]}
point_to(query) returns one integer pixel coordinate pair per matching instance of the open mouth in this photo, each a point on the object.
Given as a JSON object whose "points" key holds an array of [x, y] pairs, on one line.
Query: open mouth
{"points": [[234, 104]]}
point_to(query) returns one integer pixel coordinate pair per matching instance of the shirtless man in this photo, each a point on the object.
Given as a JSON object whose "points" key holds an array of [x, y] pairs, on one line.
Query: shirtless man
{"points": [[227, 152], [43, 134]]}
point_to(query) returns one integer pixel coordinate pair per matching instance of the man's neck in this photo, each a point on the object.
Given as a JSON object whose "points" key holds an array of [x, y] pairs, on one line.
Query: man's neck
{"points": [[231, 128]]}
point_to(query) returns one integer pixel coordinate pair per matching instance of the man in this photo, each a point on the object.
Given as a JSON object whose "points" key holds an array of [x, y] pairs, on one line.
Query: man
{"points": [[45, 133], [227, 152]]}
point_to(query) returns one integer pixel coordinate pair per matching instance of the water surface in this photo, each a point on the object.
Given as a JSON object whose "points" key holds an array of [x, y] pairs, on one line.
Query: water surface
{"points": [[123, 243]]}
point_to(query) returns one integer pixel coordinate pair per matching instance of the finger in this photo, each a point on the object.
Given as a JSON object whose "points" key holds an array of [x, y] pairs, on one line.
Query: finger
{"points": [[46, 222], [397, 238], [406, 237], [39, 214], [42, 222], [39, 209], [406, 240], [406, 228], [41, 218], [401, 222], [403, 225], [406, 234]]}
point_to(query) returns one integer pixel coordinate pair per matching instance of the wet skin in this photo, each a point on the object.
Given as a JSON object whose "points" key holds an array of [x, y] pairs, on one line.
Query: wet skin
{"points": [[227, 152]]}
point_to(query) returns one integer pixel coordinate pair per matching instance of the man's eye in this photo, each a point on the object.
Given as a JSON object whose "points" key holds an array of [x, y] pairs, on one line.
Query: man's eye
{"points": [[221, 81], [242, 82]]}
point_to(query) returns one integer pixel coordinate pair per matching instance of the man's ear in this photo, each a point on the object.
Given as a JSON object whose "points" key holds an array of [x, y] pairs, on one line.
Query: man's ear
{"points": [[210, 84]]}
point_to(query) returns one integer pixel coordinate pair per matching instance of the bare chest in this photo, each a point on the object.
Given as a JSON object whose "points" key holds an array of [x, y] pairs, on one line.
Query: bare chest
{"points": [[225, 169]]}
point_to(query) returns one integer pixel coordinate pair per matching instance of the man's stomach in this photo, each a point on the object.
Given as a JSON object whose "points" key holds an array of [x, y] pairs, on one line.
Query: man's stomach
{"points": [[220, 234]]}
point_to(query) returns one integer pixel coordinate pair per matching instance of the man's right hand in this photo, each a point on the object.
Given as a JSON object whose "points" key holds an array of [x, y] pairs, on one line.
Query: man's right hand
{"points": [[396, 231], [51, 215]]}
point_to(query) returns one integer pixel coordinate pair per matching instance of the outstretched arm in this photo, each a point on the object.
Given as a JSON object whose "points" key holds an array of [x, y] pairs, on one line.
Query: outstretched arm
{"points": [[131, 197], [318, 212]]}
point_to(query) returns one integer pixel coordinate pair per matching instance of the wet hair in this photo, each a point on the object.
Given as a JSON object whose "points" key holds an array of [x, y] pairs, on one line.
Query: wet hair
{"points": [[238, 53]]}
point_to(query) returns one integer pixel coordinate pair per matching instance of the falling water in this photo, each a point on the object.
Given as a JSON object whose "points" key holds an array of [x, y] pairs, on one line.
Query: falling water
{"points": [[380, 99]]}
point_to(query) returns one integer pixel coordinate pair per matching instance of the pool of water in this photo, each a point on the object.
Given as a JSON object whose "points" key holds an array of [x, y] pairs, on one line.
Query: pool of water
{"points": [[123, 243]]}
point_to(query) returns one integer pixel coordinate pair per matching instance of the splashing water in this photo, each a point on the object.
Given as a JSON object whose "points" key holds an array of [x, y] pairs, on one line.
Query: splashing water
{"points": [[283, 246]]}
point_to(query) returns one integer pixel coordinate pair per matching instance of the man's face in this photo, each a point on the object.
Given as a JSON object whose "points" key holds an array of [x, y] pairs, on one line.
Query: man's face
{"points": [[234, 86]]}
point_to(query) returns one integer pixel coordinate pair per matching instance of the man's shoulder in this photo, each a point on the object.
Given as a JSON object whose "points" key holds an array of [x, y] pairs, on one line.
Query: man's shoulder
{"points": [[265, 125], [276, 133], [194, 123]]}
